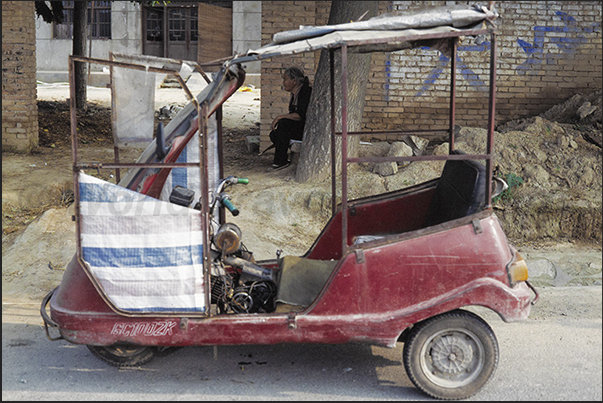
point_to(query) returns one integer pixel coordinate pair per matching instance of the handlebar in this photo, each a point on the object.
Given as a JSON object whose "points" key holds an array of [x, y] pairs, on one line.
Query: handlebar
{"points": [[231, 180], [224, 198], [228, 204]]}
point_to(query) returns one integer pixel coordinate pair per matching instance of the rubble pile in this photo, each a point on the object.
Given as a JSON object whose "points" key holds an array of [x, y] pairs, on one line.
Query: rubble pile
{"points": [[555, 157]]}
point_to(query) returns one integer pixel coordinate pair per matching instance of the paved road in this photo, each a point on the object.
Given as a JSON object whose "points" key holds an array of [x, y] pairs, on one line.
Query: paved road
{"points": [[554, 355]]}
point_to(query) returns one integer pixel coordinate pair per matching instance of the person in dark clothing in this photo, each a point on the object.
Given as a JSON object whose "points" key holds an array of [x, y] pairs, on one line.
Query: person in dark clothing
{"points": [[290, 126]]}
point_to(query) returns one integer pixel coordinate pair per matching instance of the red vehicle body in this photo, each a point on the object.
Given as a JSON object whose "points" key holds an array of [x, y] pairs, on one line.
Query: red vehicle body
{"points": [[395, 269], [356, 304]]}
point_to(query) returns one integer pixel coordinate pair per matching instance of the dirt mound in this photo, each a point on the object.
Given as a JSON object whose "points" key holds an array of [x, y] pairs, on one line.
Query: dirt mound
{"points": [[54, 125], [582, 115], [557, 156]]}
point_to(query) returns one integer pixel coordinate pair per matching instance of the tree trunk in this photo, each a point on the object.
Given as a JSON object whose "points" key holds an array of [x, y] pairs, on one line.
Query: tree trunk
{"points": [[315, 156], [80, 25]]}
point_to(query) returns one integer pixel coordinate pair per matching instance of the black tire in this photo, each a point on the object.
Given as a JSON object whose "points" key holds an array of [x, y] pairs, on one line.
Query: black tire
{"points": [[124, 355], [451, 356]]}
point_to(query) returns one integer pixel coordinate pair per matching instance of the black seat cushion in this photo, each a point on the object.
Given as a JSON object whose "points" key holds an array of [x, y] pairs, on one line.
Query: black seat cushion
{"points": [[460, 191]]}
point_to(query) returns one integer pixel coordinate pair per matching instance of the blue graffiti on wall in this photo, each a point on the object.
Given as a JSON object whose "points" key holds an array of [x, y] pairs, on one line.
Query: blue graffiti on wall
{"points": [[535, 52], [466, 72], [568, 44]]}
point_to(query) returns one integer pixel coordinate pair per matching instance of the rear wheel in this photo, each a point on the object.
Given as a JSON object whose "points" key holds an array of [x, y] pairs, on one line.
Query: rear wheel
{"points": [[124, 355], [451, 356]]}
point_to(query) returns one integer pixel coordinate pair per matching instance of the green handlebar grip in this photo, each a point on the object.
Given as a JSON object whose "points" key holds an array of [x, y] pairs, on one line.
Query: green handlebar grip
{"points": [[228, 204], [244, 180]]}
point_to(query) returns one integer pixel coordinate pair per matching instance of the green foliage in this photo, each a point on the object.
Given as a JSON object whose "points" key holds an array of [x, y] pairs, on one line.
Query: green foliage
{"points": [[514, 181]]}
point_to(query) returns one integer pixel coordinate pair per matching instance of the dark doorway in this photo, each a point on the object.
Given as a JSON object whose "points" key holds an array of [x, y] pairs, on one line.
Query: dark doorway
{"points": [[171, 31], [199, 31]]}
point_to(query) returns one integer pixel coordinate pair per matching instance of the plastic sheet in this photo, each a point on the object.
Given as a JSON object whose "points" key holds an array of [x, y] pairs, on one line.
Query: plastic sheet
{"points": [[146, 254]]}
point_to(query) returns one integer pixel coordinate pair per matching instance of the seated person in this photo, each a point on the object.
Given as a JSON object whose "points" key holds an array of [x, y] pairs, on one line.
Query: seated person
{"points": [[290, 126]]}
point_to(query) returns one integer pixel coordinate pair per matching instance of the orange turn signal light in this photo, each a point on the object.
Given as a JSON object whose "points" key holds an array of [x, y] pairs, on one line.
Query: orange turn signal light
{"points": [[518, 269]]}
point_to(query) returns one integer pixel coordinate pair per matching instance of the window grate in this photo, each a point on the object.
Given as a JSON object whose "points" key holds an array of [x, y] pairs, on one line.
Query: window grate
{"points": [[99, 21]]}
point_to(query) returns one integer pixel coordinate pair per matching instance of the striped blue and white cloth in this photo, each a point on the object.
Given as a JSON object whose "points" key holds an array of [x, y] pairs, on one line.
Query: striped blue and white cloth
{"points": [[146, 254]]}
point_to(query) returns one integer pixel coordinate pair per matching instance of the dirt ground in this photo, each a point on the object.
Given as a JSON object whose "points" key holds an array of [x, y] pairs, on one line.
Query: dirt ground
{"points": [[552, 163]]}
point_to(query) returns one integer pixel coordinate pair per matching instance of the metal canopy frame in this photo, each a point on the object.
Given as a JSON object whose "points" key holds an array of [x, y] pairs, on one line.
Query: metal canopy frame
{"points": [[346, 40], [397, 41], [344, 48], [202, 118]]}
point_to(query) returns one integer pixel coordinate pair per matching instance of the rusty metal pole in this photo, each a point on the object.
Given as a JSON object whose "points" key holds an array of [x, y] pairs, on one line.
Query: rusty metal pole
{"points": [[219, 114], [344, 149], [452, 95], [491, 119], [202, 114], [333, 143]]}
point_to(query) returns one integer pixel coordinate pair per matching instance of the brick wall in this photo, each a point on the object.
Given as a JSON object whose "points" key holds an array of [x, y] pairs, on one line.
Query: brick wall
{"points": [[547, 52], [19, 107]]}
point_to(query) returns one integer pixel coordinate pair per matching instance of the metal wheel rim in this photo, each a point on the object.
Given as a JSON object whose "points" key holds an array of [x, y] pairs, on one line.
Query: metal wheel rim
{"points": [[452, 358]]}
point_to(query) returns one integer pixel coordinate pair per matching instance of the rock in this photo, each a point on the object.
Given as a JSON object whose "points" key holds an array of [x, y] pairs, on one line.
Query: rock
{"points": [[542, 269], [594, 137], [562, 265], [400, 149], [386, 168], [563, 141], [441, 149], [397, 149], [417, 144], [536, 126], [421, 144], [374, 149], [565, 111], [585, 110], [587, 177], [252, 143], [541, 155], [536, 173]]}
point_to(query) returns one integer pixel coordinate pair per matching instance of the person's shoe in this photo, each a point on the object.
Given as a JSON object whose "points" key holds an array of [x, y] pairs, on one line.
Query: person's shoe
{"points": [[278, 167]]}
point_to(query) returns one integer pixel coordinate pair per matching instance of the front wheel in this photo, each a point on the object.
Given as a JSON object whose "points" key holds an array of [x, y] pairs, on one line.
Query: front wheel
{"points": [[451, 356], [124, 355]]}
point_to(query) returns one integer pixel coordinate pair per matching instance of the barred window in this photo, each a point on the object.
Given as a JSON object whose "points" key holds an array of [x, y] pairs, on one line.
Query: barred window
{"points": [[154, 25], [194, 24], [177, 25], [99, 20]]}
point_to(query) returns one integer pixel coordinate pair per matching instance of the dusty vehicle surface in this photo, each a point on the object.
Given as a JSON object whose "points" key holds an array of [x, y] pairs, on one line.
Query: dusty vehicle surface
{"points": [[158, 265]]}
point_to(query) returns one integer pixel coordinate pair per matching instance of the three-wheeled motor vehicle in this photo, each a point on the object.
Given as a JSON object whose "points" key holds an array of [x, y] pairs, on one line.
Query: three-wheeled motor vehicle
{"points": [[158, 266]]}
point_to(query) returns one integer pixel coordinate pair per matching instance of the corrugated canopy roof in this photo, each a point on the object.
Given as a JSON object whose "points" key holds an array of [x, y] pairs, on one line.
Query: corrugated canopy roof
{"points": [[381, 33]]}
